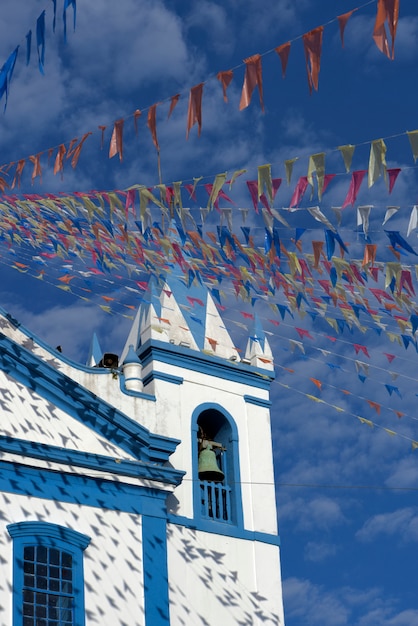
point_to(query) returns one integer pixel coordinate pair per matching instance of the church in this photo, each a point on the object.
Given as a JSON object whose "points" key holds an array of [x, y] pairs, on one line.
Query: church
{"points": [[138, 489]]}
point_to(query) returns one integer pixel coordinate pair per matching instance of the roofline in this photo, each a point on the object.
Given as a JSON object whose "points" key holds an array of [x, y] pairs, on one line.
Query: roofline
{"points": [[187, 358], [82, 404]]}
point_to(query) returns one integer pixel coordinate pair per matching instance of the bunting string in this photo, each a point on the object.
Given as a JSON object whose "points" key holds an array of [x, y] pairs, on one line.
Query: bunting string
{"points": [[253, 78]]}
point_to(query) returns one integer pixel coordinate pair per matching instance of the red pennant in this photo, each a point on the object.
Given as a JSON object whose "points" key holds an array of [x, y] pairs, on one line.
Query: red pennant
{"points": [[393, 174]]}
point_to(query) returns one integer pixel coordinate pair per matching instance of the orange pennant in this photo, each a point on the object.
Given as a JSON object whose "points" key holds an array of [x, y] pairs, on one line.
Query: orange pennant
{"points": [[317, 248], [225, 80], [18, 173], [37, 170], [59, 160], [342, 20], [283, 52], [137, 115], [77, 150], [194, 113], [116, 141], [312, 42], [317, 383], [253, 77], [102, 129], [374, 405], [369, 254], [152, 125], [386, 10], [173, 104]]}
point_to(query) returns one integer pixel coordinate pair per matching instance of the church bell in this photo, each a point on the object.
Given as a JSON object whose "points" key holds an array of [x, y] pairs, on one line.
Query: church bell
{"points": [[208, 468]]}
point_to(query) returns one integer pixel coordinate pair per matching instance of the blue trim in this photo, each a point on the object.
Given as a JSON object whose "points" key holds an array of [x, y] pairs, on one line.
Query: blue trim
{"points": [[235, 474], [130, 392], [226, 530], [155, 567], [82, 490], [98, 462], [258, 401], [33, 533], [51, 531], [82, 404], [168, 378], [186, 358], [59, 356]]}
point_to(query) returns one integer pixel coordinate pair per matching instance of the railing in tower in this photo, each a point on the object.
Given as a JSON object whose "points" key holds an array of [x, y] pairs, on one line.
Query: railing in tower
{"points": [[215, 500]]}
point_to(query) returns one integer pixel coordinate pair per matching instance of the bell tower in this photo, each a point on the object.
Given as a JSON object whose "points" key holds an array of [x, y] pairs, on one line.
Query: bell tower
{"points": [[214, 400]]}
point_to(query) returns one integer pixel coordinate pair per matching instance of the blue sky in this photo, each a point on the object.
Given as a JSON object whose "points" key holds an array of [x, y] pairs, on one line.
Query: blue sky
{"points": [[346, 490]]}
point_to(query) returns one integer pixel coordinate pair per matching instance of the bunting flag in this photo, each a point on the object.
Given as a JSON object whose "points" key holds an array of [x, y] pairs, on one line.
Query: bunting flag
{"points": [[393, 174], [347, 153], [116, 141], [377, 161], [37, 170], [342, 21], [265, 182], [40, 41], [59, 159], [152, 125], [6, 74], [253, 77], [317, 165], [67, 4], [356, 180], [299, 191], [387, 11], [283, 51], [194, 113], [225, 79], [288, 164], [75, 152], [413, 140], [312, 43], [173, 103]]}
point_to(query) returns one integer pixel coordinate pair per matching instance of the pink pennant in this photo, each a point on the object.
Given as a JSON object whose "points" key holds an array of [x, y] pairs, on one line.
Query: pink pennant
{"points": [[356, 180], [358, 348], [192, 191], [299, 191], [253, 189], [327, 179], [303, 333]]}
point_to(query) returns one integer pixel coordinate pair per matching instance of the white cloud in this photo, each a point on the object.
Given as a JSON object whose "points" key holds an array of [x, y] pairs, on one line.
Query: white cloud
{"points": [[319, 551], [319, 513], [402, 523], [308, 603]]}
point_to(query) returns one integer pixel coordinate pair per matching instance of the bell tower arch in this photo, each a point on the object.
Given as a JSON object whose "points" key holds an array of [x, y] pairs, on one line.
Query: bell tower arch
{"points": [[215, 444]]}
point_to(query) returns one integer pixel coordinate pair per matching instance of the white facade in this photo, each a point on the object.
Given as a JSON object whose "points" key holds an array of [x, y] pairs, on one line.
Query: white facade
{"points": [[111, 456]]}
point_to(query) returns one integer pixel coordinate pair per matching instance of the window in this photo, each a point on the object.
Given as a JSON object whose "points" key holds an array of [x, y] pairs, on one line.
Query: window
{"points": [[217, 488], [48, 583]]}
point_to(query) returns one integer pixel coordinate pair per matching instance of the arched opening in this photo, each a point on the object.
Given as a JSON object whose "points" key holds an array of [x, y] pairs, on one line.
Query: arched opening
{"points": [[217, 484]]}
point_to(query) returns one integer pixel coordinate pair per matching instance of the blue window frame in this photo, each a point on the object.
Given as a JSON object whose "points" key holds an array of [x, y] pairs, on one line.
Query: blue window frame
{"points": [[48, 581]]}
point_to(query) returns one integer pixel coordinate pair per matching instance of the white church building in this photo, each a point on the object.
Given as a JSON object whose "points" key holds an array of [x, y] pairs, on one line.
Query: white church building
{"points": [[138, 490]]}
